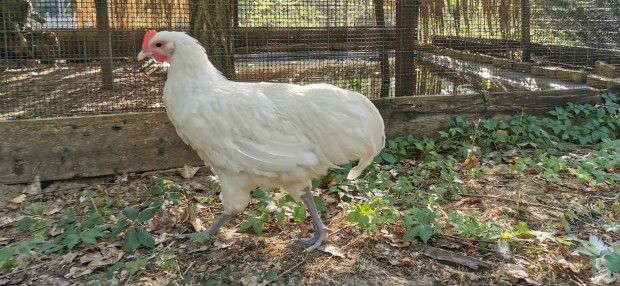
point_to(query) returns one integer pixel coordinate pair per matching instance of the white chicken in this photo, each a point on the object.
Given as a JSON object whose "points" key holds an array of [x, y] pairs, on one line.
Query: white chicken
{"points": [[263, 135]]}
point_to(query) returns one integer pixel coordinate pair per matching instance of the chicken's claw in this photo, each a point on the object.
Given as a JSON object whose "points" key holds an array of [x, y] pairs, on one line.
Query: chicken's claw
{"points": [[314, 241]]}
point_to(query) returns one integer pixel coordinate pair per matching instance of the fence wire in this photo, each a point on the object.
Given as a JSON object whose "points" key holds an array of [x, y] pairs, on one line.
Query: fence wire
{"points": [[77, 57]]}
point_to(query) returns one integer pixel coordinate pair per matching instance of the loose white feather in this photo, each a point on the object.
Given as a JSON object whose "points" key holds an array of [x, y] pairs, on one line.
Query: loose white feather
{"points": [[503, 248], [598, 243]]}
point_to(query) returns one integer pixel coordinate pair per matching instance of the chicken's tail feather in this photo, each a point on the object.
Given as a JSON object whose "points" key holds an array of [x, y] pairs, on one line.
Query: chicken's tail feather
{"points": [[357, 170], [379, 130], [377, 141]]}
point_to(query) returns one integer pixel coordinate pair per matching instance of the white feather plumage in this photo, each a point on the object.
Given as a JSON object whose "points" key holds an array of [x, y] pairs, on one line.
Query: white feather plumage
{"points": [[267, 135]]}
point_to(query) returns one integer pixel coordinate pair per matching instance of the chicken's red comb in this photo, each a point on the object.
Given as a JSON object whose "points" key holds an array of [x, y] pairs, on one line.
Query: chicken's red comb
{"points": [[147, 37]]}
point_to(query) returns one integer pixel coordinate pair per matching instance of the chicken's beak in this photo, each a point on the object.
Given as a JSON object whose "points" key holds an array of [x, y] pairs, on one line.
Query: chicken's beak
{"points": [[143, 55]]}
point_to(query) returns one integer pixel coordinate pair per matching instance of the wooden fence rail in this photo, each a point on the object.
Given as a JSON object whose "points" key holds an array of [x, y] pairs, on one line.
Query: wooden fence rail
{"points": [[82, 44], [109, 144]]}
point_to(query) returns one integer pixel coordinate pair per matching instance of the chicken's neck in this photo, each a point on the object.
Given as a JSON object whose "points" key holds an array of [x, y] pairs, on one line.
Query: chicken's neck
{"points": [[191, 59]]}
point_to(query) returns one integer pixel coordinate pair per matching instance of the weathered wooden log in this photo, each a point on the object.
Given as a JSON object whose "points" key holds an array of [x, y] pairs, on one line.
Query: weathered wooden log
{"points": [[606, 70], [601, 82], [89, 146], [579, 76], [109, 144], [522, 66], [562, 55]]}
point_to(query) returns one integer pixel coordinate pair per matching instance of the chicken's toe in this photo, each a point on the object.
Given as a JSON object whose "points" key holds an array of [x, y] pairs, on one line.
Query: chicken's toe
{"points": [[314, 241]]}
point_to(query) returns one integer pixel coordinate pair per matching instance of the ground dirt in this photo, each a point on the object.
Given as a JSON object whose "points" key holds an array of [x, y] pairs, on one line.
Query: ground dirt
{"points": [[354, 258]]}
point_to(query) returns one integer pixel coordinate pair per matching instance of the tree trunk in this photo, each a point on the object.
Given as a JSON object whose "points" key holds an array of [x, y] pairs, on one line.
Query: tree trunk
{"points": [[383, 53], [211, 22], [407, 12], [105, 44], [525, 30]]}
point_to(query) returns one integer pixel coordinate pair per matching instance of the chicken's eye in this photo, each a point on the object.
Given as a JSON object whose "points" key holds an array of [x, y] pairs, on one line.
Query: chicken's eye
{"points": [[158, 45]]}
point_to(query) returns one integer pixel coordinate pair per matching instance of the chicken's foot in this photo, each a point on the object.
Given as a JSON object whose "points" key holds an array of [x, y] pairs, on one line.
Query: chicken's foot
{"points": [[212, 230], [320, 230]]}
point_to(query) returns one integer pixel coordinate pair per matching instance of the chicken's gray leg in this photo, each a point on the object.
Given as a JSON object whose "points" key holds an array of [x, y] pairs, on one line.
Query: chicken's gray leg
{"points": [[320, 231], [211, 230]]}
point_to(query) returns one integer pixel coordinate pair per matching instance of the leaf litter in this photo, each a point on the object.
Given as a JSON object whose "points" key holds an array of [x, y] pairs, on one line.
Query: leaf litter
{"points": [[351, 256]]}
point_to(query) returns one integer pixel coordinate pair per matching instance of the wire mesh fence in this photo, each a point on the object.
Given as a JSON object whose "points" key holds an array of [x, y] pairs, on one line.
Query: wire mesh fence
{"points": [[77, 57]]}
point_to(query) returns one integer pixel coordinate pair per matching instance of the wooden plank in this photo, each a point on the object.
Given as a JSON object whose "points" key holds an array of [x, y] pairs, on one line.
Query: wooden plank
{"points": [[110, 144], [566, 56], [538, 102], [422, 116], [89, 146]]}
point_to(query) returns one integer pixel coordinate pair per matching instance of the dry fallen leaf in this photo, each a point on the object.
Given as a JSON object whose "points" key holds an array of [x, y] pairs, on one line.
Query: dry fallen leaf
{"points": [[226, 238], [399, 229], [165, 221], [17, 201], [33, 188], [202, 199], [220, 244], [68, 258], [331, 250], [201, 248], [604, 277], [193, 219], [197, 186], [88, 257], [76, 272], [515, 272], [107, 256], [566, 265], [304, 229], [112, 254], [50, 210], [5, 220], [121, 179], [249, 280], [455, 257], [213, 267], [188, 172], [471, 162]]}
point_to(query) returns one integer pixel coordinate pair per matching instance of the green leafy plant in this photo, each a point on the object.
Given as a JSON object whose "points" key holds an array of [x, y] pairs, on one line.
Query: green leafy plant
{"points": [[270, 209], [136, 235], [601, 255], [395, 190]]}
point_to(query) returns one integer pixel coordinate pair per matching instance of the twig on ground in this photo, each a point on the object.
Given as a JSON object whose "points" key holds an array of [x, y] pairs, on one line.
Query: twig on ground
{"points": [[22, 270], [188, 268], [291, 269], [161, 250]]}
